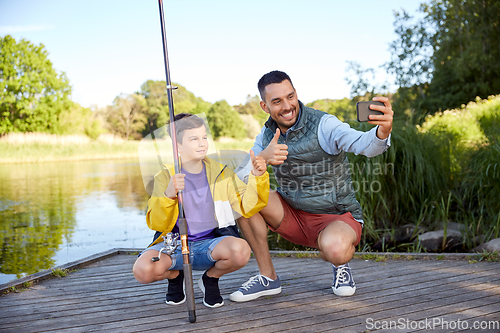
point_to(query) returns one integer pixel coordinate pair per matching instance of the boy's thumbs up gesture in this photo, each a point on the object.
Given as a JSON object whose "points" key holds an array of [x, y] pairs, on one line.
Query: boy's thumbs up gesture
{"points": [[275, 153], [258, 164]]}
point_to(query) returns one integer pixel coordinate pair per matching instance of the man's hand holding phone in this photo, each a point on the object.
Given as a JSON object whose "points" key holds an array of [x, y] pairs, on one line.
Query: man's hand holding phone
{"points": [[377, 114]]}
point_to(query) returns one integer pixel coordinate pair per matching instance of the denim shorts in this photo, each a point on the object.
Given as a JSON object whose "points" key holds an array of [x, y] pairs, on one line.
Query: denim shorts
{"points": [[200, 254]]}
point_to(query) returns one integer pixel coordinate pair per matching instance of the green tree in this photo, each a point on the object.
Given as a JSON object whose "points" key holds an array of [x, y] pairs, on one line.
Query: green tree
{"points": [[155, 95], [156, 98], [225, 121], [252, 107], [79, 120], [344, 109], [411, 62], [467, 51], [446, 55], [126, 117], [364, 86], [32, 93], [361, 80]]}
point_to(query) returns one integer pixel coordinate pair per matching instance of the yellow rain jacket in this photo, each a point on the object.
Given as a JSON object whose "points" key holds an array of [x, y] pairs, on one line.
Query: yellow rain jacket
{"points": [[229, 194]]}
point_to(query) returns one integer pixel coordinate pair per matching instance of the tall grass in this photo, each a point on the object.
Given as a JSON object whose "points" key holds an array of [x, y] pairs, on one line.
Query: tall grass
{"points": [[44, 138], [448, 169], [478, 195], [36, 152], [42, 147], [407, 186], [54, 139]]}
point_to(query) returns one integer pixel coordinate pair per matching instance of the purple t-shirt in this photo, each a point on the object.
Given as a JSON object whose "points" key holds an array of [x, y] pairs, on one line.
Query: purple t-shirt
{"points": [[198, 206]]}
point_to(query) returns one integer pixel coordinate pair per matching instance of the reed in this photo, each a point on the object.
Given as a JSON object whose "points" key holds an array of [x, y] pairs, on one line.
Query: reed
{"points": [[36, 152], [446, 170], [44, 138], [43, 147]]}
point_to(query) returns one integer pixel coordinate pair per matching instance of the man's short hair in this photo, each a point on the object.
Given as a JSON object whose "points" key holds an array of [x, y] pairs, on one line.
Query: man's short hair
{"points": [[270, 78], [185, 121]]}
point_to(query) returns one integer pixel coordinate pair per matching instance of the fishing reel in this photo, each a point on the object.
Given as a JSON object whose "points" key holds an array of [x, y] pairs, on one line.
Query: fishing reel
{"points": [[170, 245]]}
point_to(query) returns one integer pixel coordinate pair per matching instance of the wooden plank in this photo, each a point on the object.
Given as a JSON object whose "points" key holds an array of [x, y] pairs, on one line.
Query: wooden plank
{"points": [[486, 323], [461, 320], [456, 321], [46, 274], [428, 308], [126, 276], [88, 293], [311, 316], [417, 296], [98, 258], [85, 288], [75, 304], [91, 303]]}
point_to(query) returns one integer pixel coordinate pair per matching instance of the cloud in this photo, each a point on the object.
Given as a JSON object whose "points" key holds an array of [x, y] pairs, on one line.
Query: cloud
{"points": [[11, 29]]}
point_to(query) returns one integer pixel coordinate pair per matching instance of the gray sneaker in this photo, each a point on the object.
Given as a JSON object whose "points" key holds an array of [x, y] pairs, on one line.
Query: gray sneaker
{"points": [[343, 283], [257, 286]]}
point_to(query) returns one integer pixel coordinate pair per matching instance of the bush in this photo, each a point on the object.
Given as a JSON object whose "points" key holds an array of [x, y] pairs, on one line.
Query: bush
{"points": [[448, 169], [223, 120]]}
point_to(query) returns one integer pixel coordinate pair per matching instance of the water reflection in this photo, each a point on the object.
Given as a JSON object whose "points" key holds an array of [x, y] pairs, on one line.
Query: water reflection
{"points": [[52, 213]]}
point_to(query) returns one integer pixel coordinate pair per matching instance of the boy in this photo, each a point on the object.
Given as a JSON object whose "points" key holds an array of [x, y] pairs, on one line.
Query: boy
{"points": [[210, 193]]}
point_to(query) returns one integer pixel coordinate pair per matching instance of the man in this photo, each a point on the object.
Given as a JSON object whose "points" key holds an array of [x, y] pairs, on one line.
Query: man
{"points": [[315, 204]]}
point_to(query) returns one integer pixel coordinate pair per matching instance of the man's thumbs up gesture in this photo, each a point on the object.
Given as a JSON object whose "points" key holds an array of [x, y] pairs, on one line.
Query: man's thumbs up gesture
{"points": [[275, 153]]}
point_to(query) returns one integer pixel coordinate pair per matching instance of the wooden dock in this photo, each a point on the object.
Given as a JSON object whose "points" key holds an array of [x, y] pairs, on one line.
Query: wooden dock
{"points": [[392, 296]]}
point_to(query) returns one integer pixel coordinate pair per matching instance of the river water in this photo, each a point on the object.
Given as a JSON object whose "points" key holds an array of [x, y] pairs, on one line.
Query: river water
{"points": [[54, 213]]}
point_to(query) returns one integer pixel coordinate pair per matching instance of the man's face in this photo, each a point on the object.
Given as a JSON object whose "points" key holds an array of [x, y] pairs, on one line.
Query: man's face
{"points": [[282, 104], [194, 144]]}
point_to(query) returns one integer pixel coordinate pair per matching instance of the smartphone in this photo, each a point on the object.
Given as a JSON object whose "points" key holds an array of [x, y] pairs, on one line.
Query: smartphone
{"points": [[363, 110]]}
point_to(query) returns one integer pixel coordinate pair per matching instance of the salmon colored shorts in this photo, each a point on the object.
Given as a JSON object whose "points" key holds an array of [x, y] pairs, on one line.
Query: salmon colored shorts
{"points": [[303, 228]]}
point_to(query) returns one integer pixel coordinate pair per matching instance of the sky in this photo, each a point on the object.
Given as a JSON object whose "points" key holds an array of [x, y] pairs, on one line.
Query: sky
{"points": [[217, 49]]}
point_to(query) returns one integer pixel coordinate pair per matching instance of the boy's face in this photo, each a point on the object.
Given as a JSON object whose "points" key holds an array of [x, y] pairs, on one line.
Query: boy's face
{"points": [[194, 144]]}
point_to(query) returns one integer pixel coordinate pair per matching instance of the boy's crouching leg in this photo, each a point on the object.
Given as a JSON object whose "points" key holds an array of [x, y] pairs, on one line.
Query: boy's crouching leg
{"points": [[231, 254], [147, 271]]}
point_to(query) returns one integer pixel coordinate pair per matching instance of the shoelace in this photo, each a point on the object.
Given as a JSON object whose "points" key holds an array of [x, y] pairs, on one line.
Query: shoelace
{"points": [[342, 276], [254, 279]]}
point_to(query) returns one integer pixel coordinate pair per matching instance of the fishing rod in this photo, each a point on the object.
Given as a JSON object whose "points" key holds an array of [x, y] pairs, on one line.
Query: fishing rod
{"points": [[183, 230]]}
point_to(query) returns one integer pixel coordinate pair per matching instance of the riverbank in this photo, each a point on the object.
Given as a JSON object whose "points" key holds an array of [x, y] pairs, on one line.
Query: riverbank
{"points": [[39, 152], [36, 152]]}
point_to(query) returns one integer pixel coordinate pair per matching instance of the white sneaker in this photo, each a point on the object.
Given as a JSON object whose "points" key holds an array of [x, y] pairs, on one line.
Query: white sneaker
{"points": [[343, 283], [255, 287]]}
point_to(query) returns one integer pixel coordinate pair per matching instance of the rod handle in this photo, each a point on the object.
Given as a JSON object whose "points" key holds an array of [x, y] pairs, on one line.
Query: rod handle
{"points": [[188, 279]]}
